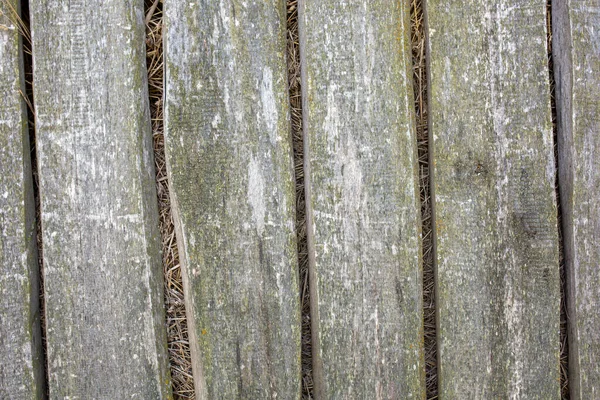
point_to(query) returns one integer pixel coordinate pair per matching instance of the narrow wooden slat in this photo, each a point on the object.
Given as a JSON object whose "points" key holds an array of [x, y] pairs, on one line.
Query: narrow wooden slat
{"points": [[21, 375], [498, 289], [576, 50], [362, 199], [228, 146], [106, 332]]}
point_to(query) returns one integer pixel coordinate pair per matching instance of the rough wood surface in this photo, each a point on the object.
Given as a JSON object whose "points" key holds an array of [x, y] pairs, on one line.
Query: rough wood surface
{"points": [[229, 155], [106, 332], [21, 375], [362, 199], [498, 289], [576, 50]]}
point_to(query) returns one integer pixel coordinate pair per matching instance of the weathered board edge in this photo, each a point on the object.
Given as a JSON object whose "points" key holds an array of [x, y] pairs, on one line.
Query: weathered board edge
{"points": [[432, 202], [577, 64], [197, 370], [563, 78], [11, 12], [406, 6], [317, 360]]}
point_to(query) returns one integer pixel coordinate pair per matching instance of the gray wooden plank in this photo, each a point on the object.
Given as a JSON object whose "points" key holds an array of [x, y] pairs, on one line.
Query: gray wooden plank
{"points": [[106, 332], [21, 369], [576, 52], [229, 155], [362, 199], [498, 287]]}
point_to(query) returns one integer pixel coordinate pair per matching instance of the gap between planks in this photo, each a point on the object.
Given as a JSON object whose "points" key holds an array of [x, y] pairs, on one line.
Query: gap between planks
{"points": [[420, 82], [564, 345], [24, 29], [176, 321], [295, 94]]}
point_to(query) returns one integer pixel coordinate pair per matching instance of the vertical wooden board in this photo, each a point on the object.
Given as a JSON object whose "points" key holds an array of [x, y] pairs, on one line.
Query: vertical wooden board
{"points": [[230, 169], [362, 199], [498, 289], [576, 51], [106, 332], [20, 339]]}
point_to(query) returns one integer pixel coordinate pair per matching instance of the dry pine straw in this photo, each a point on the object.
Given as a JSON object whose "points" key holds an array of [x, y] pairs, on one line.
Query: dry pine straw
{"points": [[420, 97], [564, 346], [294, 81]]}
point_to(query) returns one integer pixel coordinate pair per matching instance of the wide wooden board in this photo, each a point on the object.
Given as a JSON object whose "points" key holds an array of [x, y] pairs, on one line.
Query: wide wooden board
{"points": [[362, 199], [228, 147], [497, 270], [106, 333]]}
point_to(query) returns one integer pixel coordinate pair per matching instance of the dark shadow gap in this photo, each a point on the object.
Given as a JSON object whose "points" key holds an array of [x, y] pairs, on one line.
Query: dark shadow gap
{"points": [[25, 30], [295, 93], [419, 58], [177, 328], [564, 345]]}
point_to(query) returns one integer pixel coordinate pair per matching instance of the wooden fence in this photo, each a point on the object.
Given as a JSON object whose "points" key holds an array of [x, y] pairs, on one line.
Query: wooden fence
{"points": [[229, 158]]}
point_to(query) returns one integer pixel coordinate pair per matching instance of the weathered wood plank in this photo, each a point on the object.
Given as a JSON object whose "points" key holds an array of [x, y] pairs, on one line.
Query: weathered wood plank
{"points": [[498, 289], [106, 333], [21, 369], [362, 199], [576, 51], [230, 168]]}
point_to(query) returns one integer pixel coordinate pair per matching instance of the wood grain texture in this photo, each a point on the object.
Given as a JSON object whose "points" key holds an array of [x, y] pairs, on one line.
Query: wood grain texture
{"points": [[228, 146], [21, 369], [106, 333], [576, 51], [498, 289], [362, 199]]}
